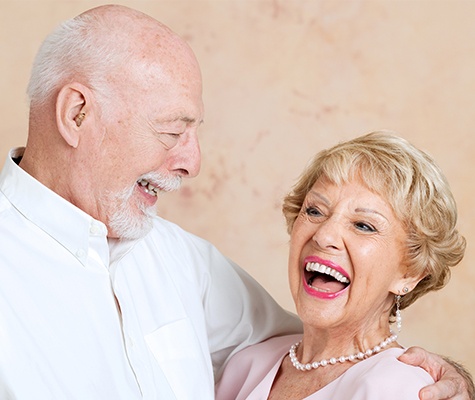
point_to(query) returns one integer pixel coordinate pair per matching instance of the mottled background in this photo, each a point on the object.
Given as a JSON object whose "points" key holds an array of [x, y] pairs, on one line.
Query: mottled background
{"points": [[282, 80]]}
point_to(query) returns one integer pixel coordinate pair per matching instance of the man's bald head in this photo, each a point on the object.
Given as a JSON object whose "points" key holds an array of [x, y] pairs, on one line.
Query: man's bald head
{"points": [[94, 47]]}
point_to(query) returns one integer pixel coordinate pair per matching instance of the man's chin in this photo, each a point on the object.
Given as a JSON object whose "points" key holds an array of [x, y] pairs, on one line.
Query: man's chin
{"points": [[128, 229]]}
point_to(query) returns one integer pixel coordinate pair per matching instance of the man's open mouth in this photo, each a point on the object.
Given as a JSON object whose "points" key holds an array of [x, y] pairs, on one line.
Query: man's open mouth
{"points": [[325, 279], [148, 187]]}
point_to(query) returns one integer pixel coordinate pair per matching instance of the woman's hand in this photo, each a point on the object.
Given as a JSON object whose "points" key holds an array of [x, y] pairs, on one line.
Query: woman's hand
{"points": [[452, 381]]}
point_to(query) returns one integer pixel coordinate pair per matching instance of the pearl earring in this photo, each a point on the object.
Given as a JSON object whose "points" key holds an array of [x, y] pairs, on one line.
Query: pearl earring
{"points": [[398, 314], [398, 311]]}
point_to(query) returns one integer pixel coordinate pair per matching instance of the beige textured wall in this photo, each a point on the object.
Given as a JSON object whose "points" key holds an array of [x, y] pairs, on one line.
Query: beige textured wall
{"points": [[283, 79]]}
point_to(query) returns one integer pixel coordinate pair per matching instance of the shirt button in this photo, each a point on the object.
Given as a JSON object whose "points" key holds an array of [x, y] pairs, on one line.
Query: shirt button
{"points": [[80, 253]]}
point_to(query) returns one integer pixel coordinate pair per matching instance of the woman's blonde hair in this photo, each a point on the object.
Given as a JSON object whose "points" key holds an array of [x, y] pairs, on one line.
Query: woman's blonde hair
{"points": [[413, 185]]}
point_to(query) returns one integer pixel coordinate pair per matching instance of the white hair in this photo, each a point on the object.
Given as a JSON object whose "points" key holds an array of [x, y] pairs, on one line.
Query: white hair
{"points": [[77, 50]]}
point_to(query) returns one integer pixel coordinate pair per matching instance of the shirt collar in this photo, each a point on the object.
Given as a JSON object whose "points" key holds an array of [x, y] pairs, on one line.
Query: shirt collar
{"points": [[56, 216]]}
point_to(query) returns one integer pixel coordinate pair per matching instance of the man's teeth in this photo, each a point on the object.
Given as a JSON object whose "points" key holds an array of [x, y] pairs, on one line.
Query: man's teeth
{"points": [[148, 187], [323, 269]]}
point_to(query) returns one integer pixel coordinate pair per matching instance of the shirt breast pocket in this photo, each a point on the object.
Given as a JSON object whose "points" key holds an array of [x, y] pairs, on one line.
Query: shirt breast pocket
{"points": [[180, 356]]}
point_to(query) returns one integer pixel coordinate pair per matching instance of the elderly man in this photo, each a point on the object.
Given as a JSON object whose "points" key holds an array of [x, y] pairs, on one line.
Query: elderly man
{"points": [[100, 298]]}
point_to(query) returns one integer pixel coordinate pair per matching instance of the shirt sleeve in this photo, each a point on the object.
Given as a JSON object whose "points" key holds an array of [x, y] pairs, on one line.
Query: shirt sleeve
{"points": [[238, 311]]}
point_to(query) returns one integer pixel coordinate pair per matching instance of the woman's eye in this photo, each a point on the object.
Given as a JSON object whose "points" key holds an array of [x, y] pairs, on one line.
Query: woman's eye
{"points": [[313, 212], [363, 226]]}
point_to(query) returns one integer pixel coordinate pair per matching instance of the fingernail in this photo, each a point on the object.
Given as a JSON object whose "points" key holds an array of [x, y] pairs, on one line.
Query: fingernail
{"points": [[426, 396]]}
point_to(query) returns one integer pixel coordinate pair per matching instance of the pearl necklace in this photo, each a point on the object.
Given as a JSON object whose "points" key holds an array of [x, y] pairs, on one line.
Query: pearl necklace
{"points": [[332, 361]]}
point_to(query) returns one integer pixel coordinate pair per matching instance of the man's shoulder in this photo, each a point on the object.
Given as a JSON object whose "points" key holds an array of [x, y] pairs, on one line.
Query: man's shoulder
{"points": [[5, 205], [169, 239], [8, 213], [164, 230]]}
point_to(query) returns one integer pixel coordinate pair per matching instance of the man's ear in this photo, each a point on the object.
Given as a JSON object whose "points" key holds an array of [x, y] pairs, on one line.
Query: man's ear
{"points": [[72, 106]]}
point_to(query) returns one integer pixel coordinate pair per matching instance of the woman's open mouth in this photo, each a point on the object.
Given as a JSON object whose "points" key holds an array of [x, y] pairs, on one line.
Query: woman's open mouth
{"points": [[324, 281]]}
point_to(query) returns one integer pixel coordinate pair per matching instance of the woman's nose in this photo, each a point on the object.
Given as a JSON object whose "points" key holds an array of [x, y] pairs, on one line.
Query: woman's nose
{"points": [[328, 234]]}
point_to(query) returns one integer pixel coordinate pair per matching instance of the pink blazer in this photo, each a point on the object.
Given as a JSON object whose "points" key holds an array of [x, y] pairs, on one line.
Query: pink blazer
{"points": [[250, 373]]}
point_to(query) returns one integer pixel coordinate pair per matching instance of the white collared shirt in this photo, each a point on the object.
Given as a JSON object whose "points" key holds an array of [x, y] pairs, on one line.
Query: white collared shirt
{"points": [[81, 318]]}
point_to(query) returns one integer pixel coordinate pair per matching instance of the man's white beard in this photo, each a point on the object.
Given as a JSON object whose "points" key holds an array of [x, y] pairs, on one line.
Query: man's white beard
{"points": [[131, 219]]}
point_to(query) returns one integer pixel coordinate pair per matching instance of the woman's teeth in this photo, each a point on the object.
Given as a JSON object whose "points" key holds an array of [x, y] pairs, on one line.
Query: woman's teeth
{"points": [[148, 187], [323, 269]]}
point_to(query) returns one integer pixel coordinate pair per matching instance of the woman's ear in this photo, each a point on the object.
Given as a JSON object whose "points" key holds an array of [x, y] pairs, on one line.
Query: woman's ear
{"points": [[72, 104], [406, 284]]}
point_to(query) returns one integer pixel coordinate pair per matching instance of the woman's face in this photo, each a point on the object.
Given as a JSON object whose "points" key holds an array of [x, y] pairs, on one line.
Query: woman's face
{"points": [[353, 235]]}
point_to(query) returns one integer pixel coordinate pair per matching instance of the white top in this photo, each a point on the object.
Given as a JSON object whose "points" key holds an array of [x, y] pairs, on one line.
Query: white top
{"points": [[249, 375], [183, 305]]}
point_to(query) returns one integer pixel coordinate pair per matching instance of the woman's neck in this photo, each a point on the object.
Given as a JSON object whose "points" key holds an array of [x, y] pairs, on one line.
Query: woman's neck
{"points": [[293, 383], [324, 344]]}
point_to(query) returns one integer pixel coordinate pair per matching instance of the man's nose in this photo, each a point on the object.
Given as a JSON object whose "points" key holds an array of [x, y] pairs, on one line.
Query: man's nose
{"points": [[187, 157]]}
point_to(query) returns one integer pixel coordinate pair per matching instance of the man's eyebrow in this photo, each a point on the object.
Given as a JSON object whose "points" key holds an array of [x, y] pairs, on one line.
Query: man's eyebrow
{"points": [[187, 120], [192, 120]]}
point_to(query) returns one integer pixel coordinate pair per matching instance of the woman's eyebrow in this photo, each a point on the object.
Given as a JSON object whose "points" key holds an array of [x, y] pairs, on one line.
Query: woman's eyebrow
{"points": [[313, 193], [370, 211]]}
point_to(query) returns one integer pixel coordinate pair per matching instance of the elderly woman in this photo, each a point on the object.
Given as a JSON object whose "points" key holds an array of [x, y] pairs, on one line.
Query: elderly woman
{"points": [[372, 229]]}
